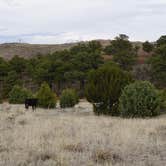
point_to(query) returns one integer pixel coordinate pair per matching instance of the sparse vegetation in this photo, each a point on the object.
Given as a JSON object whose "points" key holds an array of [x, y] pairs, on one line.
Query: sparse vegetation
{"points": [[56, 138], [76, 148], [102, 157]]}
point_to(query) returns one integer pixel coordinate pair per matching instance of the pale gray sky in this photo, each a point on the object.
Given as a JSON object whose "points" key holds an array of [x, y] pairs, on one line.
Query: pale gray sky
{"points": [[60, 21]]}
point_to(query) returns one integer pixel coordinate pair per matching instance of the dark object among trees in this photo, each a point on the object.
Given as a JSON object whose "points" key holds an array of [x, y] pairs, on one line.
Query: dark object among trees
{"points": [[31, 102]]}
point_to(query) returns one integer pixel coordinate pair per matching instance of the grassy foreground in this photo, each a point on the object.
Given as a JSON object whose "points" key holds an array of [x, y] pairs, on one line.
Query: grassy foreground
{"points": [[57, 138]]}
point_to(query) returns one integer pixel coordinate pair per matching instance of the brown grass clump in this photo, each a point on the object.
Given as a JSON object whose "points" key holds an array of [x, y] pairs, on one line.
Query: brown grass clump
{"points": [[11, 118], [3, 149], [74, 148], [22, 122], [101, 156], [41, 156]]}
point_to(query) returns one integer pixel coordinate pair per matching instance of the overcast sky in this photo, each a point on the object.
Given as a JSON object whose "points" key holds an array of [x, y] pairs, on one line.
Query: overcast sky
{"points": [[60, 21]]}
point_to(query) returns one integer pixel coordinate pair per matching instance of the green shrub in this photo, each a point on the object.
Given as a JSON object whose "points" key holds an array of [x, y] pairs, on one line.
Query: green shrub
{"points": [[0, 99], [162, 94], [18, 95], [69, 98], [147, 46], [46, 98], [139, 99], [104, 87]]}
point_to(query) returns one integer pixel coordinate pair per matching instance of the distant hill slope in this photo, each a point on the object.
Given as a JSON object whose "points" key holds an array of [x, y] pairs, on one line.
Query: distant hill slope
{"points": [[8, 50]]}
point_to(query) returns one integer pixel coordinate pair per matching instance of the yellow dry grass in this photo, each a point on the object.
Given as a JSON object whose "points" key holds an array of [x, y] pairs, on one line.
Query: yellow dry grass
{"points": [[54, 138]]}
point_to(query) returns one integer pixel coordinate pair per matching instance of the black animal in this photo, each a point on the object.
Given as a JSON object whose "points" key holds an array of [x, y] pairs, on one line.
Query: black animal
{"points": [[31, 102]]}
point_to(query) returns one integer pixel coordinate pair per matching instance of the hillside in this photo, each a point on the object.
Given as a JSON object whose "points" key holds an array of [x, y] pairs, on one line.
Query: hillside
{"points": [[8, 50]]}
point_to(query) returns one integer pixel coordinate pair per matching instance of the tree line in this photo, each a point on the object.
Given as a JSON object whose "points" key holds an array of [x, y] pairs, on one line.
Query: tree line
{"points": [[71, 68]]}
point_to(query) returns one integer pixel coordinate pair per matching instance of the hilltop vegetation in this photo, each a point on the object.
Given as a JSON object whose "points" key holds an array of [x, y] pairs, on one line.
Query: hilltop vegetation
{"points": [[25, 50]]}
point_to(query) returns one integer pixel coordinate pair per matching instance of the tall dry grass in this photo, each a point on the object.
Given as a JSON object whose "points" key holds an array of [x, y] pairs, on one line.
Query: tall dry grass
{"points": [[54, 138]]}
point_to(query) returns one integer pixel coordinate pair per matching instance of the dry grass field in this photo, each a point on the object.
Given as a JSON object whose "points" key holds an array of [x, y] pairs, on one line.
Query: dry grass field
{"points": [[75, 137]]}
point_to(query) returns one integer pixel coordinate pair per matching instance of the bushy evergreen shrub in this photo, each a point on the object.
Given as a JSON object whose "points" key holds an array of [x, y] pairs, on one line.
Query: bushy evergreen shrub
{"points": [[104, 87], [162, 94], [18, 95], [139, 99], [46, 98], [69, 98], [0, 98], [147, 46]]}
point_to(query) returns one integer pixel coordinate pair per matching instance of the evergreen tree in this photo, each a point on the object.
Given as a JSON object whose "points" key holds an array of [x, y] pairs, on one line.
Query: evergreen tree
{"points": [[10, 80], [161, 41], [69, 98], [46, 98], [147, 46], [123, 52], [158, 64], [104, 88], [139, 99]]}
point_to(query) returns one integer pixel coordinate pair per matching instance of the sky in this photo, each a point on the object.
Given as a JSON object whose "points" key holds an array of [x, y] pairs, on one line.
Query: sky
{"points": [[64, 21]]}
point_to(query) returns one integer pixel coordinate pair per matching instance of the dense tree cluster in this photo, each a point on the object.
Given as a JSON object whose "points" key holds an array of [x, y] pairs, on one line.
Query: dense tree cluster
{"points": [[60, 70], [83, 66], [158, 63]]}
